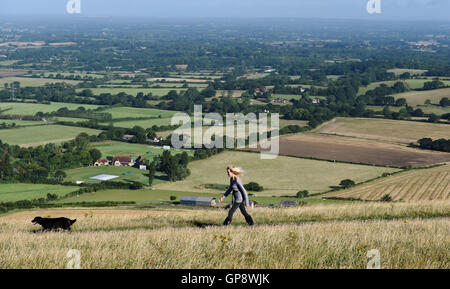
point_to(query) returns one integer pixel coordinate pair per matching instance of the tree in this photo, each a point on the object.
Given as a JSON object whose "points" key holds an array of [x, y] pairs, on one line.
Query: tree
{"points": [[386, 198], [95, 154], [60, 175], [444, 102], [252, 186], [347, 183], [302, 194], [433, 118]]}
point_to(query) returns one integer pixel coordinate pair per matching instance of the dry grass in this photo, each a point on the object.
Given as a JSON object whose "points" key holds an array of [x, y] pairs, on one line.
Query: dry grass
{"points": [[396, 131], [123, 239], [427, 184]]}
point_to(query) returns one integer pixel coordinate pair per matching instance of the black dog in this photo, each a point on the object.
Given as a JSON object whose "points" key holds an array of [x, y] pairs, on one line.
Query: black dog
{"points": [[49, 224]]}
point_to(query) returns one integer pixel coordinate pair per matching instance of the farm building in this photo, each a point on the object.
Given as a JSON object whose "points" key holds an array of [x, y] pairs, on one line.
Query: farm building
{"points": [[198, 201], [101, 162], [286, 204], [122, 161]]}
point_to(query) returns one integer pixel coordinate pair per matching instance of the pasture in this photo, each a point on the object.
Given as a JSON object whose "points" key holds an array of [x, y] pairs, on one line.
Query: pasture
{"points": [[41, 135], [322, 236], [112, 148], [146, 123], [415, 185], [133, 112], [396, 131], [280, 176], [350, 149], [32, 108], [34, 82], [17, 192], [419, 97], [21, 122]]}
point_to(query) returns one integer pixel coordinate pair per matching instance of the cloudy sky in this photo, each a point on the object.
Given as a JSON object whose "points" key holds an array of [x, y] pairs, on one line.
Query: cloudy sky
{"points": [[356, 9]]}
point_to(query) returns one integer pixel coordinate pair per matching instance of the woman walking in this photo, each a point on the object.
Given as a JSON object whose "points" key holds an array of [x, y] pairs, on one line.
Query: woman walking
{"points": [[240, 196]]}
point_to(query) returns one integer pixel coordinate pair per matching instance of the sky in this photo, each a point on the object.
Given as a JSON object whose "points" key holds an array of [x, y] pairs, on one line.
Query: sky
{"points": [[333, 9]]}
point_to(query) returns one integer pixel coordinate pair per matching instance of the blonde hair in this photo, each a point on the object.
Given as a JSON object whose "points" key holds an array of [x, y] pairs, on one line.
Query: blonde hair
{"points": [[236, 170]]}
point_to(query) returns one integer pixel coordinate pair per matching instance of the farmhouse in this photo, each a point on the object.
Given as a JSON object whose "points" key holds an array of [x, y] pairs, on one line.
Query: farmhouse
{"points": [[122, 161], [198, 201], [101, 162]]}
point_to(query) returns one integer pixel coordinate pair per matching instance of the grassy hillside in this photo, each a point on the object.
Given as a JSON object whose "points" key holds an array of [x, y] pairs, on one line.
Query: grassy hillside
{"points": [[324, 236], [280, 176]]}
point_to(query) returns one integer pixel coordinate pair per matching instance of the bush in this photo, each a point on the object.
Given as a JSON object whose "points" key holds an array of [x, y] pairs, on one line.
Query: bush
{"points": [[347, 183], [252, 186], [302, 194], [136, 186], [173, 198], [386, 198]]}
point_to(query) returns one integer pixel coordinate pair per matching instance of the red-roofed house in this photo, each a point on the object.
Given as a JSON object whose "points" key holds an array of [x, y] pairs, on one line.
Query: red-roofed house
{"points": [[101, 162], [122, 161]]}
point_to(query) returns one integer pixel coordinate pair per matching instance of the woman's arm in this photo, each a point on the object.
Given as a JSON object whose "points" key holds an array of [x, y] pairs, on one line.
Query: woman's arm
{"points": [[226, 193], [243, 191]]}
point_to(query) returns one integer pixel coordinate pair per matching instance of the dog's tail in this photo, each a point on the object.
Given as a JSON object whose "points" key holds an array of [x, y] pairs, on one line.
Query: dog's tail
{"points": [[73, 221]]}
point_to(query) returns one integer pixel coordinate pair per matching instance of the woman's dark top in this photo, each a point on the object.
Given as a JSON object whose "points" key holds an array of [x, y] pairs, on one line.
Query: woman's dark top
{"points": [[239, 193]]}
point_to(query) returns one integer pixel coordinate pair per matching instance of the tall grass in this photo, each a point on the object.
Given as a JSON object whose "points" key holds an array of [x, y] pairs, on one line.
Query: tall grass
{"points": [[334, 236]]}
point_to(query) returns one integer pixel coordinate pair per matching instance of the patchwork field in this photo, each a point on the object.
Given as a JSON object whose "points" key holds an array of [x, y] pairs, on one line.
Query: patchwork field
{"points": [[409, 83], [34, 136], [415, 185], [322, 236], [17, 192], [419, 97], [33, 108], [280, 176], [396, 131], [354, 150]]}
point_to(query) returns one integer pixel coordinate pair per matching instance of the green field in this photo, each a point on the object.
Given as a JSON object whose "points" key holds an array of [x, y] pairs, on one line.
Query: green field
{"points": [[33, 108], [147, 123], [33, 136], [112, 148], [84, 174], [21, 122], [409, 83], [17, 192], [133, 112], [147, 196], [33, 82], [133, 91], [280, 176], [438, 110], [419, 97]]}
